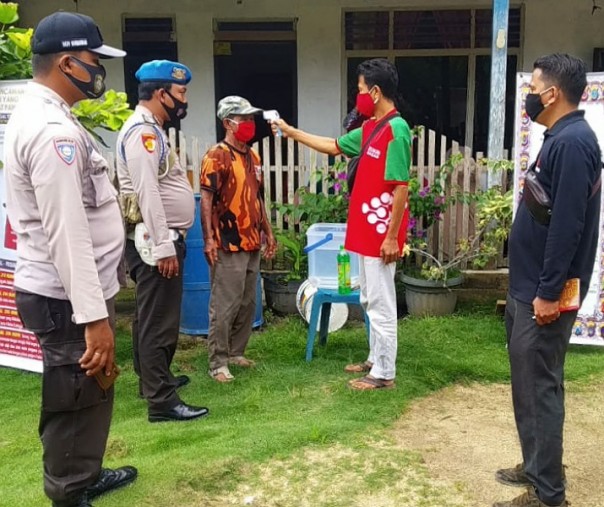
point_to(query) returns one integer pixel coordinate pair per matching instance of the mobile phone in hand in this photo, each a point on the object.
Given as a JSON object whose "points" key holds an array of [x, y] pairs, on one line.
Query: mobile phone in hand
{"points": [[106, 381]]}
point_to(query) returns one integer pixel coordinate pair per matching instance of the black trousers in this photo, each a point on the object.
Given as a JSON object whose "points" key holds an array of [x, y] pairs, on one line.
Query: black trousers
{"points": [[537, 355], [76, 412], [155, 328]]}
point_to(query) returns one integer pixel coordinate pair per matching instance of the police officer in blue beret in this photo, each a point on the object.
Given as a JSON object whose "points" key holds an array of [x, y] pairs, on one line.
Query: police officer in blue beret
{"points": [[158, 206], [172, 78]]}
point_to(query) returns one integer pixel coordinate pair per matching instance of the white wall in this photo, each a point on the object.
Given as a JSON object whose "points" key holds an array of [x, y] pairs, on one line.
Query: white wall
{"points": [[561, 26], [550, 25], [319, 55]]}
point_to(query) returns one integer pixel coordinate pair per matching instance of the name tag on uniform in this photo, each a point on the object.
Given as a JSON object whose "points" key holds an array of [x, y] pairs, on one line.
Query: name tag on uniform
{"points": [[373, 153]]}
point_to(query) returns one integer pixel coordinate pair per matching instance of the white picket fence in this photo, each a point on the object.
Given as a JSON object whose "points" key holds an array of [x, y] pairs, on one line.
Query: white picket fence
{"points": [[288, 166]]}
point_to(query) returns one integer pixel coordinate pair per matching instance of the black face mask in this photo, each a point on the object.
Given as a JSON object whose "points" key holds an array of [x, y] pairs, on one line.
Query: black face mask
{"points": [[534, 107], [178, 112], [94, 88]]}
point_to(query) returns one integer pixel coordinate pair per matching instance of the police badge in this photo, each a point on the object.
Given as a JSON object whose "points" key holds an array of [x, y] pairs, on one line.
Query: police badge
{"points": [[179, 74]]}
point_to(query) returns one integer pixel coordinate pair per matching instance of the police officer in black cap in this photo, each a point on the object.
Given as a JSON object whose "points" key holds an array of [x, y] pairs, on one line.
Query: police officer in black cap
{"points": [[70, 241]]}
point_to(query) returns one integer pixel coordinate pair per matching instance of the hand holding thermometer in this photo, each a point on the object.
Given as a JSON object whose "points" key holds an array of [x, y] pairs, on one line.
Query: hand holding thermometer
{"points": [[271, 116]]}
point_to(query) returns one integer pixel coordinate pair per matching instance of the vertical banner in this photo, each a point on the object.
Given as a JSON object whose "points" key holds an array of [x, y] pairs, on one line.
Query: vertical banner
{"points": [[18, 347], [589, 326]]}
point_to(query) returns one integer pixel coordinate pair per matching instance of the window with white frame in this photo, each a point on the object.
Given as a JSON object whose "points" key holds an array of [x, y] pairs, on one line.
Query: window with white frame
{"points": [[443, 60]]}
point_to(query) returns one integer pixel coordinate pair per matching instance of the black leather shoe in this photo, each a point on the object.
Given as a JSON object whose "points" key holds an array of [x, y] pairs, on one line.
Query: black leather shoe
{"points": [[110, 480], [181, 381], [181, 412]]}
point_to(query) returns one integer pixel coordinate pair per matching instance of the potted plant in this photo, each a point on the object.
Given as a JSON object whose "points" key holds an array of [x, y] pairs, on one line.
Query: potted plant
{"points": [[429, 282], [290, 268]]}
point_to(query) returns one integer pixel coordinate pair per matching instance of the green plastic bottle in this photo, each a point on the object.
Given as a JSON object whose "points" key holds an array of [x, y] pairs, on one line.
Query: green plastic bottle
{"points": [[344, 286]]}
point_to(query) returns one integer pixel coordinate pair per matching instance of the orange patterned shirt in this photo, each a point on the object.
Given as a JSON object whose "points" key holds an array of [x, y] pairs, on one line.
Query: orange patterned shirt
{"points": [[235, 179]]}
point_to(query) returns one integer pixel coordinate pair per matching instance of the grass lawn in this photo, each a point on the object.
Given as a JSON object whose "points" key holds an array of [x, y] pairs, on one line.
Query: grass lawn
{"points": [[279, 411]]}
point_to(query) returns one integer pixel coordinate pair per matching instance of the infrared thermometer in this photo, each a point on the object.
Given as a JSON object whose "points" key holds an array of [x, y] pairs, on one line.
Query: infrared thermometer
{"points": [[271, 116]]}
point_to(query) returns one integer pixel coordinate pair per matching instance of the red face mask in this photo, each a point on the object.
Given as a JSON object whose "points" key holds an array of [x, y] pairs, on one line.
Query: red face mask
{"points": [[365, 104], [246, 131]]}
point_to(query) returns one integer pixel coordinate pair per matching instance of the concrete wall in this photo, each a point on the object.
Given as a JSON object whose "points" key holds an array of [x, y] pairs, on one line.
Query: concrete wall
{"points": [[561, 26], [550, 25], [319, 55]]}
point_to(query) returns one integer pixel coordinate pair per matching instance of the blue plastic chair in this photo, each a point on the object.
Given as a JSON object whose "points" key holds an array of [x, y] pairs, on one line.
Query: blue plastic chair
{"points": [[321, 304]]}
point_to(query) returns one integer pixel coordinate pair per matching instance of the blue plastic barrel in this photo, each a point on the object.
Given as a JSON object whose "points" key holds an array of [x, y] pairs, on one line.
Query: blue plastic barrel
{"points": [[194, 315]]}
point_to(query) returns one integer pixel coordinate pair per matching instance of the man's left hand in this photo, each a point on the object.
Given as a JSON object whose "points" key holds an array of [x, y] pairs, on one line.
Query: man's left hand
{"points": [[389, 251], [271, 247], [168, 267], [546, 311]]}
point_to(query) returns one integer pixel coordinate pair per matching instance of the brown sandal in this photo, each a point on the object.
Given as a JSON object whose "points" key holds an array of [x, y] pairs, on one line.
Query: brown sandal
{"points": [[242, 361], [368, 383], [363, 367]]}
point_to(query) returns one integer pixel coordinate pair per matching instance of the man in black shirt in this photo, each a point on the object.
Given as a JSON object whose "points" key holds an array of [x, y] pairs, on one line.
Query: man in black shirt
{"points": [[543, 257]]}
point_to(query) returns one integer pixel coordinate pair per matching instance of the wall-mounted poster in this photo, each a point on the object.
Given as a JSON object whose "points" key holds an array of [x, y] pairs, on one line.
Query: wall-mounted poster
{"points": [[589, 327], [18, 347]]}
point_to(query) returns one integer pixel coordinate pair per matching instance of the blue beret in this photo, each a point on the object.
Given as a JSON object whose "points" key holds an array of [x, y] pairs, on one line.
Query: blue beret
{"points": [[164, 70]]}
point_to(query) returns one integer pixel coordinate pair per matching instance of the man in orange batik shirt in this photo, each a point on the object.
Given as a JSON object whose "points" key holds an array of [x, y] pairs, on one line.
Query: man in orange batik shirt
{"points": [[233, 218]]}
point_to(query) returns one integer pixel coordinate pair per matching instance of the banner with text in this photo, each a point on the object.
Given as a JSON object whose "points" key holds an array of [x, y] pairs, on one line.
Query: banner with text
{"points": [[18, 347], [589, 326]]}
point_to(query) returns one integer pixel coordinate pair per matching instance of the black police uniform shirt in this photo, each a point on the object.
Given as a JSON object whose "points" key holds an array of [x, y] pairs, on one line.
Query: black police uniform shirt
{"points": [[543, 257]]}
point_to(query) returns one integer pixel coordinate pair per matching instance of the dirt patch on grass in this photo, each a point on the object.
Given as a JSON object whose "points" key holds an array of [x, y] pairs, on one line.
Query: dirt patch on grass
{"points": [[376, 474], [443, 452], [465, 433]]}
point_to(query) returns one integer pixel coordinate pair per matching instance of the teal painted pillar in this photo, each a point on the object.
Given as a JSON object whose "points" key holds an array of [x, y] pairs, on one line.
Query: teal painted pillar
{"points": [[499, 58]]}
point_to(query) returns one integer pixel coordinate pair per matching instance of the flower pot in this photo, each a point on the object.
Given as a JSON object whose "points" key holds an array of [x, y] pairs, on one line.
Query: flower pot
{"points": [[430, 297], [281, 295]]}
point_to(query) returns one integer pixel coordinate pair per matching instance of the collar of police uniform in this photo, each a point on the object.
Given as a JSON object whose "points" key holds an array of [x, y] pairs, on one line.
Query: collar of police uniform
{"points": [[49, 95], [147, 115]]}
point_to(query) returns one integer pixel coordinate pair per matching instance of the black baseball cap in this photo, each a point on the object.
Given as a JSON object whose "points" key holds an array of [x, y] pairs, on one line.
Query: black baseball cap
{"points": [[69, 31]]}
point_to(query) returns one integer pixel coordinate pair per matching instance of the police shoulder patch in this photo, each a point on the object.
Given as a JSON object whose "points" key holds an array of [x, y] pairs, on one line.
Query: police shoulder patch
{"points": [[149, 142], [66, 149]]}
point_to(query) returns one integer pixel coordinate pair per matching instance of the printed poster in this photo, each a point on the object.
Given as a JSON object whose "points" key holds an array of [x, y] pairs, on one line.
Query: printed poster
{"points": [[18, 347], [589, 326]]}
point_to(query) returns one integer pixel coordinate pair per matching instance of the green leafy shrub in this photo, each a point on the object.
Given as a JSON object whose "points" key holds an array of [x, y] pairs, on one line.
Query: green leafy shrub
{"points": [[15, 44], [109, 113]]}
